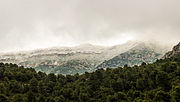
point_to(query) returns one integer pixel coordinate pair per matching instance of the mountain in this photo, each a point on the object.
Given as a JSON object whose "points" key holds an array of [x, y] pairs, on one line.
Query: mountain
{"points": [[142, 52], [175, 50], [156, 82], [78, 59]]}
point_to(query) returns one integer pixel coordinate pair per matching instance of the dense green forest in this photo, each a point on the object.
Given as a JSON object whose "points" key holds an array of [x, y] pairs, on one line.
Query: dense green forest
{"points": [[158, 82]]}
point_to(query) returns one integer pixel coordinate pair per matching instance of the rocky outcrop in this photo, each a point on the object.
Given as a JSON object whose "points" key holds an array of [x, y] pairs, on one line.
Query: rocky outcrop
{"points": [[175, 50]]}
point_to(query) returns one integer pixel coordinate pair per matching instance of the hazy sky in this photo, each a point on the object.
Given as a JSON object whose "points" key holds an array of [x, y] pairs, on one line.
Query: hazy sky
{"points": [[31, 24]]}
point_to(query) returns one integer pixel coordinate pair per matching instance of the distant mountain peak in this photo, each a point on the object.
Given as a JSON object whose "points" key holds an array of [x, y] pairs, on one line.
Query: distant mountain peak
{"points": [[175, 50]]}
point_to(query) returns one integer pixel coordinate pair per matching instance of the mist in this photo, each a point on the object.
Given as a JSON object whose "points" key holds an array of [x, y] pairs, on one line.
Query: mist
{"points": [[33, 24]]}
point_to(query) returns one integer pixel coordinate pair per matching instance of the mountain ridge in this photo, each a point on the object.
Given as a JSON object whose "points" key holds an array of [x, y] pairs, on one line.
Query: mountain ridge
{"points": [[173, 52], [135, 56], [86, 57]]}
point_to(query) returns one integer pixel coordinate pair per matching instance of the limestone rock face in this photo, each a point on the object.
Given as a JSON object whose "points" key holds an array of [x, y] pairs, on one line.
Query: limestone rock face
{"points": [[175, 50]]}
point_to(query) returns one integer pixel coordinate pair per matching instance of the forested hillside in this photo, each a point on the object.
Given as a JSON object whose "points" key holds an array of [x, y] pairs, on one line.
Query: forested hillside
{"points": [[148, 83]]}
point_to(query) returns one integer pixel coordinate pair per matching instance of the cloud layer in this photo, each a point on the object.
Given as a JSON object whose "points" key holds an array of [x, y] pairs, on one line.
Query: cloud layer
{"points": [[31, 24]]}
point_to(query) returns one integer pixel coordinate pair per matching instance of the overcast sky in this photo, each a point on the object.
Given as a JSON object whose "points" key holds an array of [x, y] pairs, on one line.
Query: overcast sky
{"points": [[31, 24]]}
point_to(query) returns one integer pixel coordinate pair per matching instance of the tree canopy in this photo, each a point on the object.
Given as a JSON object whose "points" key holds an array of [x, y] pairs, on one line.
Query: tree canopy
{"points": [[159, 82]]}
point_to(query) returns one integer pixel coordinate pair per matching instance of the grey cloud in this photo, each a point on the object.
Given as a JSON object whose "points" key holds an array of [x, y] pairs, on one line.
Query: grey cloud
{"points": [[29, 24]]}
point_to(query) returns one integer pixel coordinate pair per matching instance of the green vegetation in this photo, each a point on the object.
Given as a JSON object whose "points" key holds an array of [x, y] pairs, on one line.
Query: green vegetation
{"points": [[158, 82], [70, 67]]}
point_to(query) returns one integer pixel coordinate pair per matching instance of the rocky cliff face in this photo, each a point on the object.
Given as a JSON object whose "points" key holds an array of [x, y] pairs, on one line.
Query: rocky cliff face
{"points": [[175, 50]]}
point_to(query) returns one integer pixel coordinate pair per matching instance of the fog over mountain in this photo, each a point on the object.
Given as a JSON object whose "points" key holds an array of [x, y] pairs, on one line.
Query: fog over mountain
{"points": [[86, 57], [33, 24]]}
